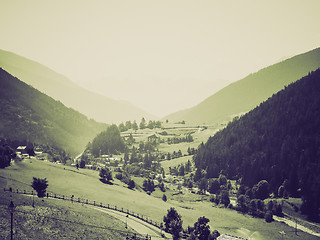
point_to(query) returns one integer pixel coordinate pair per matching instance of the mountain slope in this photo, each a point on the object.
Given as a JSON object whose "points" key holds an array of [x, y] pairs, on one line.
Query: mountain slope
{"points": [[27, 114], [59, 87], [245, 94], [278, 141]]}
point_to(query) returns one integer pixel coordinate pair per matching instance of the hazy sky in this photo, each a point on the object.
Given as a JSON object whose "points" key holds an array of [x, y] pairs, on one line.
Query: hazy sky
{"points": [[160, 55]]}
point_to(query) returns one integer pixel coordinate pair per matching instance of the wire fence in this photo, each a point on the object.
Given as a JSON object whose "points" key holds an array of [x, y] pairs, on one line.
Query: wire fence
{"points": [[96, 204]]}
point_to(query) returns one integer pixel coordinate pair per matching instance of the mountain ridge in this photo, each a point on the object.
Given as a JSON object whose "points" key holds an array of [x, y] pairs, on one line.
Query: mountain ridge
{"points": [[28, 114], [59, 87], [243, 95]]}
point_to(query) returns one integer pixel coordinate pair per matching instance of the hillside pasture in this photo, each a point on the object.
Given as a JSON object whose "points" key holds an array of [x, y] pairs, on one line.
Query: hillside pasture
{"points": [[85, 184], [53, 219]]}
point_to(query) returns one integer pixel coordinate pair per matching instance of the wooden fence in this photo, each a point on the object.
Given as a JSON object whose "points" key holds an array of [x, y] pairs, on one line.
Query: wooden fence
{"points": [[97, 204]]}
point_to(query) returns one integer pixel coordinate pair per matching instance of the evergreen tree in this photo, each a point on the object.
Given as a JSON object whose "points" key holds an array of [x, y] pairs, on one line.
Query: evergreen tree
{"points": [[173, 223], [142, 124], [40, 185], [201, 229]]}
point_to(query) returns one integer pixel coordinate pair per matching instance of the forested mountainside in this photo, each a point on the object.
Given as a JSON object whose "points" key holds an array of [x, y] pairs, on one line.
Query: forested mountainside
{"points": [[59, 87], [27, 114], [277, 141], [247, 93]]}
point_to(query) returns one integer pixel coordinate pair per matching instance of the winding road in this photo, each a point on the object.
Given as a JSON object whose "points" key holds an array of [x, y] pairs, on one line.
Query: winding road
{"points": [[136, 224]]}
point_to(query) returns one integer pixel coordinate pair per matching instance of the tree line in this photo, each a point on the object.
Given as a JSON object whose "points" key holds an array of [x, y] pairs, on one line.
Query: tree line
{"points": [[142, 125], [278, 141]]}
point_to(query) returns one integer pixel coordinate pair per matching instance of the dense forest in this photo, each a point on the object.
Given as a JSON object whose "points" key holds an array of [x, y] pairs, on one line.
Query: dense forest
{"points": [[278, 141], [27, 114], [107, 142]]}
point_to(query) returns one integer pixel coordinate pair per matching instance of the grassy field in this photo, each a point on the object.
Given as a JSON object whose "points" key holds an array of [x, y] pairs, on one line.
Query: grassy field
{"points": [[85, 184], [54, 219], [175, 162]]}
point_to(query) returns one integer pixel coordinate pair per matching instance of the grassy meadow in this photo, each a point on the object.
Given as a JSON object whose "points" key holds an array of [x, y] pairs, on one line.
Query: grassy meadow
{"points": [[85, 184], [54, 219]]}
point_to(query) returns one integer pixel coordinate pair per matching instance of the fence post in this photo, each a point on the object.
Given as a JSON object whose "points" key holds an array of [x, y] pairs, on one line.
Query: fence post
{"points": [[62, 196], [78, 199], [94, 203], [87, 201], [24, 191], [100, 204], [108, 205], [17, 190], [55, 195]]}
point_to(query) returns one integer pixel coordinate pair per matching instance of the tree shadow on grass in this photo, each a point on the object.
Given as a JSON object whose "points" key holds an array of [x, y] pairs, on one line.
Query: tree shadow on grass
{"points": [[105, 181]]}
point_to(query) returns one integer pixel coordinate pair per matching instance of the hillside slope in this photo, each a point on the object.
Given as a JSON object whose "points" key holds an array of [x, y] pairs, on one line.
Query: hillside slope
{"points": [[27, 114], [59, 87], [278, 141], [245, 94]]}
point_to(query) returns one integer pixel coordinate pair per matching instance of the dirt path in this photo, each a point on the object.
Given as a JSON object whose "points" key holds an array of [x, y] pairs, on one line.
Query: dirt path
{"points": [[136, 224]]}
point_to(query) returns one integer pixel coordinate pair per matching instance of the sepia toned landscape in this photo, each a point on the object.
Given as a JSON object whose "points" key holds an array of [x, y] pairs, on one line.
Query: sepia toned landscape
{"points": [[159, 120]]}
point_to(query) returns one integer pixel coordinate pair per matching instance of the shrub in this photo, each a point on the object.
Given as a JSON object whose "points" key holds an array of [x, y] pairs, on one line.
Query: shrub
{"points": [[242, 204], [252, 207], [213, 185], [161, 186], [164, 197], [261, 190], [224, 198], [278, 210], [268, 216], [260, 205], [119, 176], [40, 185], [131, 184], [214, 235], [105, 173]]}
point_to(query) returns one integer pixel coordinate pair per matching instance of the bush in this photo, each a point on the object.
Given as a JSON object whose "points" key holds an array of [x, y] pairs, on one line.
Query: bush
{"points": [[260, 205], [105, 173], [148, 185], [161, 186], [213, 185], [214, 235], [164, 197], [40, 185], [119, 176], [252, 207], [268, 216], [278, 210], [242, 204], [131, 184], [224, 198], [261, 190]]}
